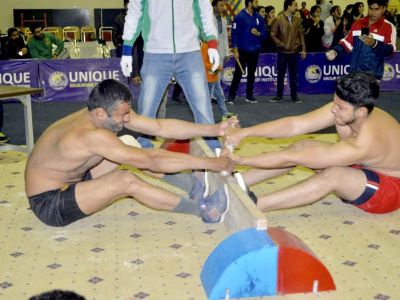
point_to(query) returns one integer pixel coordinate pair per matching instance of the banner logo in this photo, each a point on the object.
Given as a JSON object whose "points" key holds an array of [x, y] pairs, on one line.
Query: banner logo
{"points": [[313, 74], [227, 75], [58, 81], [388, 72]]}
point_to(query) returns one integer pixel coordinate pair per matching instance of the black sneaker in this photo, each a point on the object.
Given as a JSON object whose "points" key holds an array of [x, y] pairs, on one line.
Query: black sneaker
{"points": [[251, 99], [276, 99], [230, 100], [297, 100], [3, 137]]}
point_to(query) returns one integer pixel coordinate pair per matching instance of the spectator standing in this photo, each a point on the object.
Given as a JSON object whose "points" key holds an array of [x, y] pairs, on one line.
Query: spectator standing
{"points": [[325, 9], [137, 55], [370, 50], [314, 30], [247, 30], [270, 11], [118, 30], [213, 81], [13, 45], [331, 25], [348, 14], [287, 34], [267, 45], [389, 15], [223, 50], [261, 11], [305, 11], [341, 31], [170, 33], [41, 44], [298, 13], [358, 11]]}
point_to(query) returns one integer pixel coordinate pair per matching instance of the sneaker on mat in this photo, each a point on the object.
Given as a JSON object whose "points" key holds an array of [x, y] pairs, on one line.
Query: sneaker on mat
{"points": [[201, 187], [215, 206]]}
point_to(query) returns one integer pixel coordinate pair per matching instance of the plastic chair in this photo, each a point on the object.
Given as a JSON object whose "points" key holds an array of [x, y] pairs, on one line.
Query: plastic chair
{"points": [[56, 31], [86, 31], [71, 33], [21, 30], [27, 33], [105, 33]]}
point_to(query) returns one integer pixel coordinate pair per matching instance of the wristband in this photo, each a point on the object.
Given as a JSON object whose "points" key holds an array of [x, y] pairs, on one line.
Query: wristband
{"points": [[212, 44], [127, 50]]}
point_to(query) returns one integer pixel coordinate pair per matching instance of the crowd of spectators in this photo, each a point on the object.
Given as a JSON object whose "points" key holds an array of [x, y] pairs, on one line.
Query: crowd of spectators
{"points": [[324, 24]]}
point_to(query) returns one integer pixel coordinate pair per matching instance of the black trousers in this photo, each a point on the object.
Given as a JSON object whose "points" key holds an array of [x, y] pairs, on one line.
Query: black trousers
{"points": [[290, 61], [249, 59]]}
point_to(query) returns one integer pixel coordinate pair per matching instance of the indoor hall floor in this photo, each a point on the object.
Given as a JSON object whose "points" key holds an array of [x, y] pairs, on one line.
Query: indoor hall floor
{"points": [[130, 251]]}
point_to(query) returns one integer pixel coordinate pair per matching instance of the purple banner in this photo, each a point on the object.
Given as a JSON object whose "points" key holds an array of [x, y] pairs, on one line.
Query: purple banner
{"points": [[22, 72], [316, 75], [74, 79], [265, 81]]}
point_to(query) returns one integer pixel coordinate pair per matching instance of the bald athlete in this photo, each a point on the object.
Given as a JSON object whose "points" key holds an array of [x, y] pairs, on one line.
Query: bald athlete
{"points": [[71, 172], [362, 168]]}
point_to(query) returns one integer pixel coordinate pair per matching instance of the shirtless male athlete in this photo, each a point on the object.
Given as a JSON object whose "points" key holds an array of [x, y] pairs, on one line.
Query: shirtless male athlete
{"points": [[71, 172], [362, 168]]}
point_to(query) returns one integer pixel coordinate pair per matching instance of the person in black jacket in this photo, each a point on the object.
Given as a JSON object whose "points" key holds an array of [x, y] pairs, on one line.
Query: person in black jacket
{"points": [[314, 30], [13, 45]]}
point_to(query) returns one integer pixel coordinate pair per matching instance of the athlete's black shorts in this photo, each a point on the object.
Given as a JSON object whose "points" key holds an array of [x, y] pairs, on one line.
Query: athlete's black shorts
{"points": [[58, 207]]}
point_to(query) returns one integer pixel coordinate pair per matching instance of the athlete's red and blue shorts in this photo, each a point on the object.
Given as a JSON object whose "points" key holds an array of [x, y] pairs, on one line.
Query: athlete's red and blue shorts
{"points": [[381, 195]]}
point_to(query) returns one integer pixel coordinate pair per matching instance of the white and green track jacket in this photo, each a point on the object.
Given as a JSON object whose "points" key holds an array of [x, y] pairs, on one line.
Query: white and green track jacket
{"points": [[169, 26]]}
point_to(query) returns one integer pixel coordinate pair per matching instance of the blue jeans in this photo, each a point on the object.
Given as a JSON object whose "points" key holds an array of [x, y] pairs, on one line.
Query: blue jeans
{"points": [[218, 92], [188, 70], [220, 100]]}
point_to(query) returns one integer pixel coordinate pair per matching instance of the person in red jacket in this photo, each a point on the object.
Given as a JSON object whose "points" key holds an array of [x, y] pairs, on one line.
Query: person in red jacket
{"points": [[370, 38]]}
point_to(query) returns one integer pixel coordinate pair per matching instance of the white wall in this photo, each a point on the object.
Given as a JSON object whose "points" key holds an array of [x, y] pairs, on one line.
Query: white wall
{"points": [[7, 6]]}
